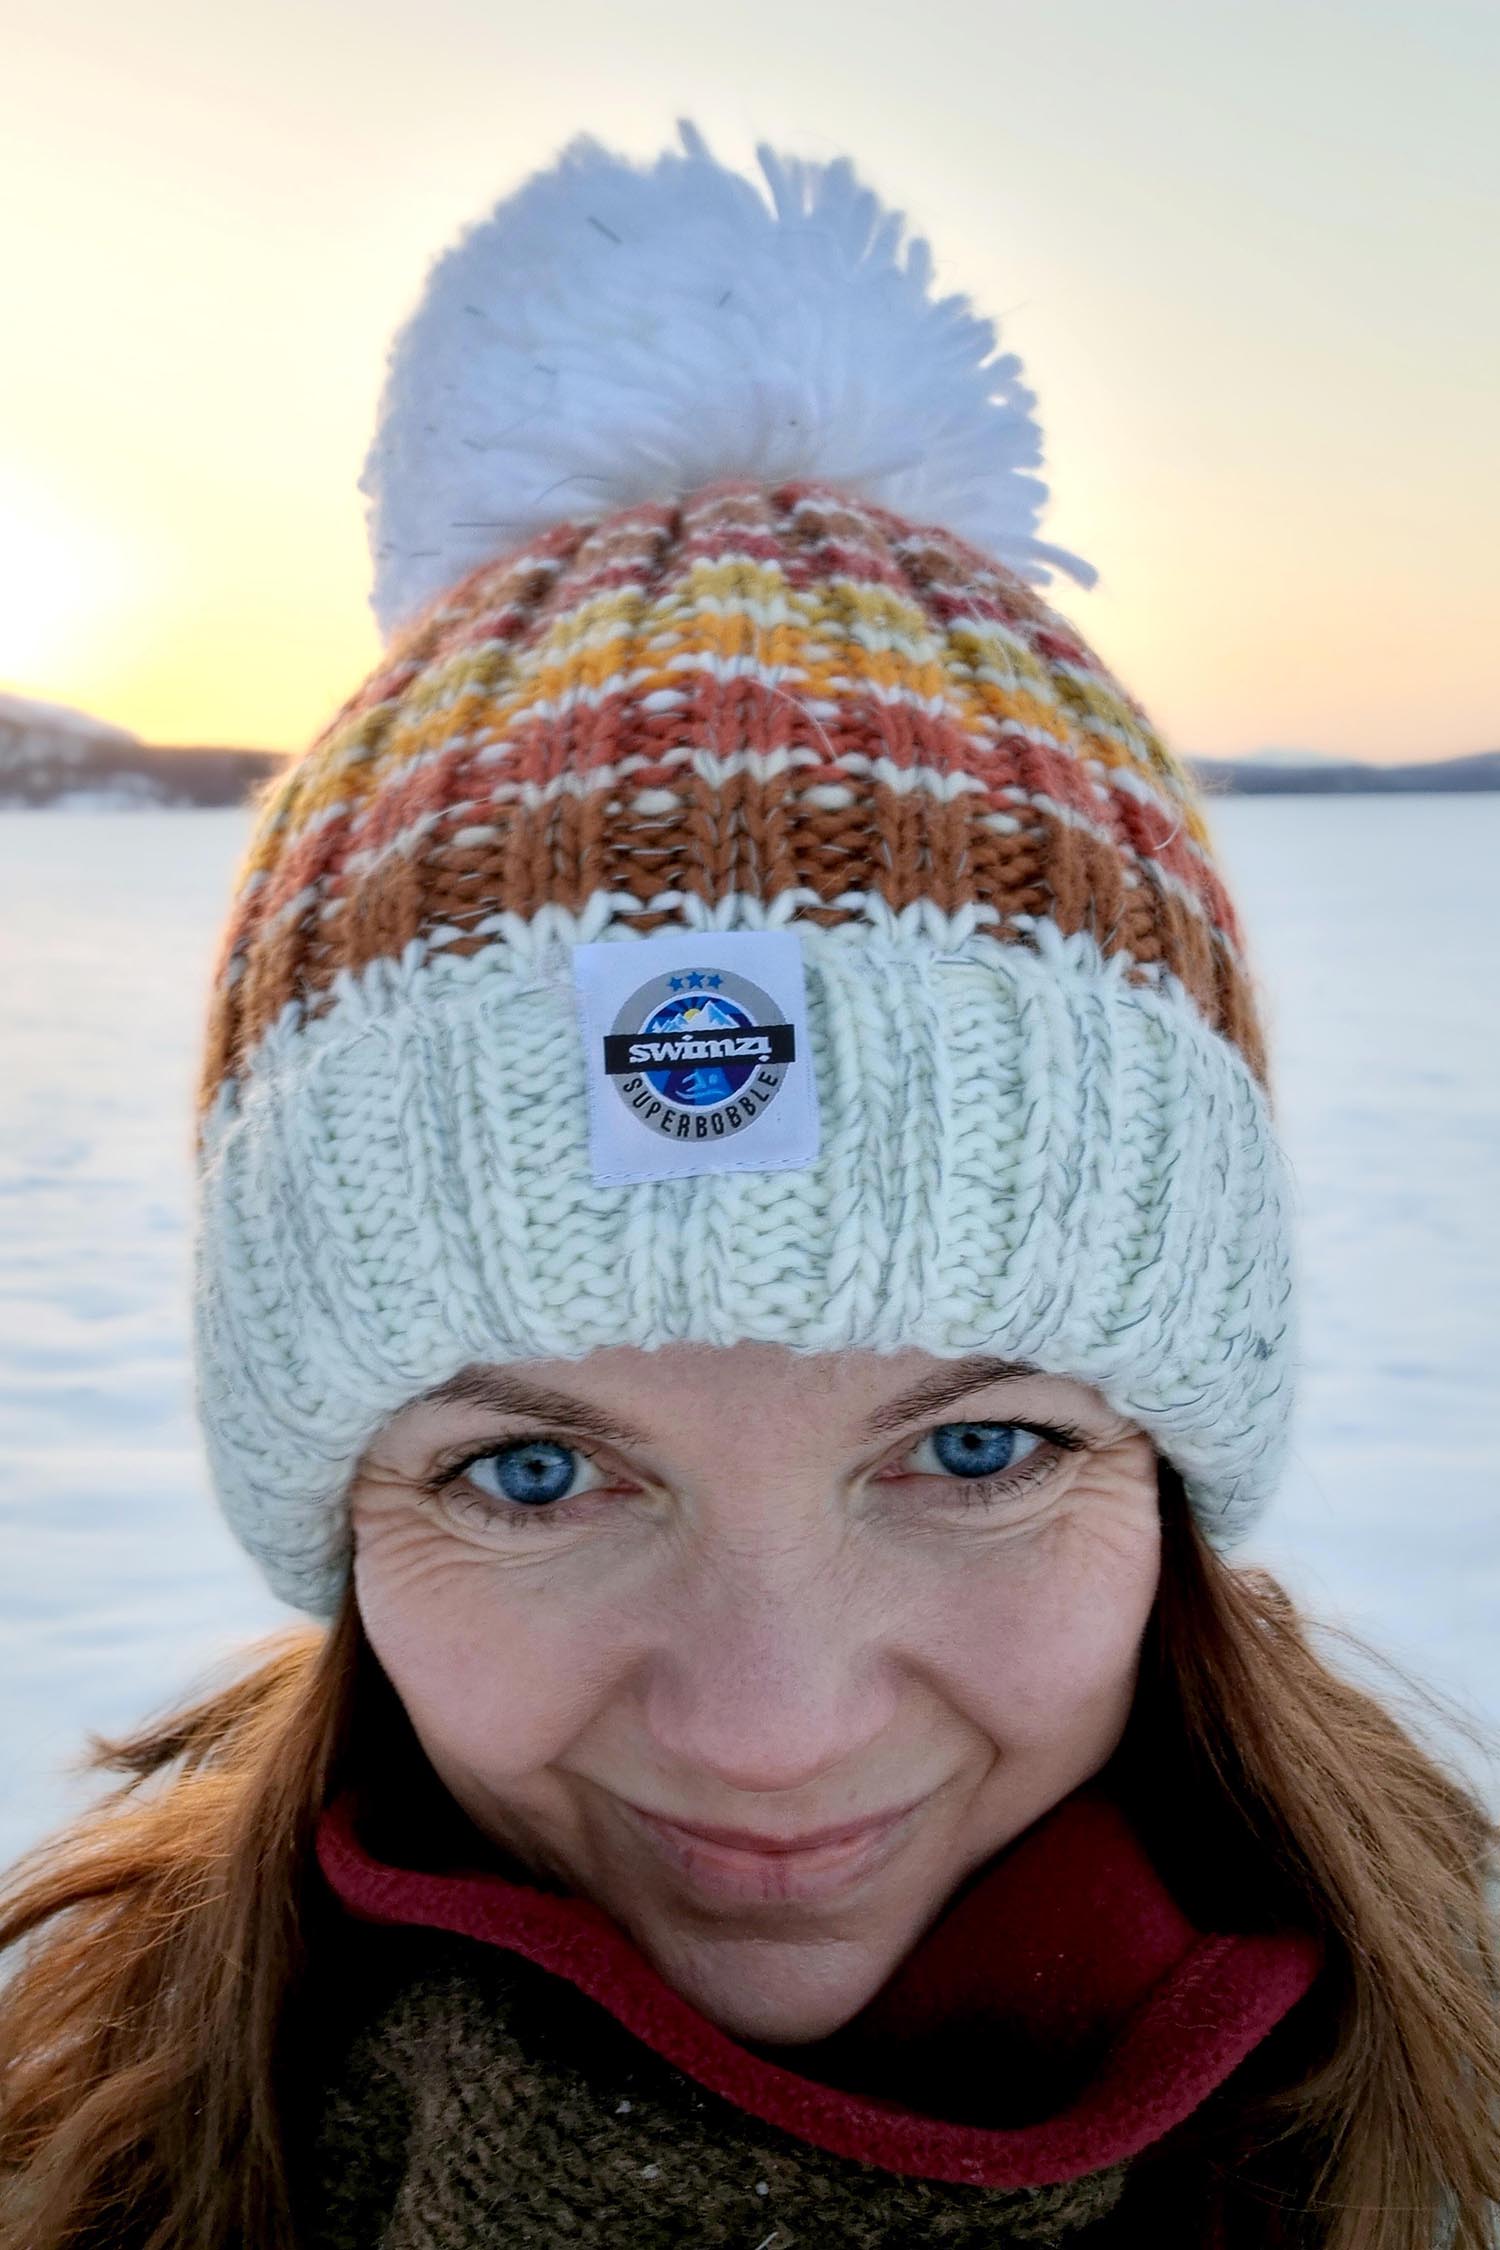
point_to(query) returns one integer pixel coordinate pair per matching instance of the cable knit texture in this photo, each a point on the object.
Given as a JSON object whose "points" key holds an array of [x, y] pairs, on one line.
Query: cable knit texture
{"points": [[482, 2106]]}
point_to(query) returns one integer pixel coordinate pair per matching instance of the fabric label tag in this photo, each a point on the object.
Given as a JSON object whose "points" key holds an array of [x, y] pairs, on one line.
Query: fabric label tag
{"points": [[696, 1054]]}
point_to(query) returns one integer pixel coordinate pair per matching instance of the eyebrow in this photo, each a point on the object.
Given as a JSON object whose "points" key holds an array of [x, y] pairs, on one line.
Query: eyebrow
{"points": [[504, 1393], [501, 1393], [942, 1389]]}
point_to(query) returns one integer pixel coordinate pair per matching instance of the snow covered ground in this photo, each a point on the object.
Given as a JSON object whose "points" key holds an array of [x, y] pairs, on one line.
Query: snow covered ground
{"points": [[1373, 923]]}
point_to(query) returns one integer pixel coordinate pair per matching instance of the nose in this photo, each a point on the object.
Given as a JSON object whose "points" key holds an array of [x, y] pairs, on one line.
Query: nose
{"points": [[767, 1682]]}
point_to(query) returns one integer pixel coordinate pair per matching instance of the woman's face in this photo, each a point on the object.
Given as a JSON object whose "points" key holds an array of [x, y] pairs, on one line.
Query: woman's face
{"points": [[763, 1652]]}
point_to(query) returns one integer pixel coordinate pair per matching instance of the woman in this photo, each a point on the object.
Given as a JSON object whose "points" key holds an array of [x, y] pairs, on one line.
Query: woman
{"points": [[743, 1277]]}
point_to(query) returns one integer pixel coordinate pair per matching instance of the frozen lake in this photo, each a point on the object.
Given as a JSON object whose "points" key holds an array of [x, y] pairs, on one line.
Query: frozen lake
{"points": [[118, 1583]]}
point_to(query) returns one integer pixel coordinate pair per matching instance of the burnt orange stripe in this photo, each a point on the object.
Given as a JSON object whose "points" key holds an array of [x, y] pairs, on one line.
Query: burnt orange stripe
{"points": [[752, 836], [480, 691], [725, 716], [500, 600], [937, 593]]}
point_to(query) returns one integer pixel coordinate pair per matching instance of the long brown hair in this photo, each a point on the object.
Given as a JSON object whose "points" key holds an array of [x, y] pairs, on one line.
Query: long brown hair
{"points": [[163, 1940]]}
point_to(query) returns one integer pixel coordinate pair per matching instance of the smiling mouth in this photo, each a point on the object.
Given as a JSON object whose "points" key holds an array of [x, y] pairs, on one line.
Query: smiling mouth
{"points": [[736, 1866]]}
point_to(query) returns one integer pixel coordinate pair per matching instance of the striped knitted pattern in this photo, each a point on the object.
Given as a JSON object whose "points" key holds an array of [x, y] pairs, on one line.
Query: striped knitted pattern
{"points": [[753, 694], [1044, 1116]]}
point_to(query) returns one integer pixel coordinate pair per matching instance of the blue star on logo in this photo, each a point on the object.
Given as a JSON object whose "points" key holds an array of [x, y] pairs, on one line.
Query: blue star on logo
{"points": [[675, 983], [713, 983]]}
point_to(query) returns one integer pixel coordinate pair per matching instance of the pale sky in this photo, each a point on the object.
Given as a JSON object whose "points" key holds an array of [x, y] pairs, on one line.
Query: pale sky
{"points": [[1247, 254]]}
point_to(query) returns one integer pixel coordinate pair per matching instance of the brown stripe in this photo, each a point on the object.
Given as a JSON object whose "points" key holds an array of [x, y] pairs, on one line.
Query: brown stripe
{"points": [[447, 758], [751, 835]]}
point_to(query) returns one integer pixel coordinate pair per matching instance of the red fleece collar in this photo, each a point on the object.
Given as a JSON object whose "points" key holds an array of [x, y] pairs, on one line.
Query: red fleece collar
{"points": [[1067, 1951]]}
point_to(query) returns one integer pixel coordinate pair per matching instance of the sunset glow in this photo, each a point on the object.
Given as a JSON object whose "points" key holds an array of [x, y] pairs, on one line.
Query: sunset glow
{"points": [[64, 576], [1244, 295]]}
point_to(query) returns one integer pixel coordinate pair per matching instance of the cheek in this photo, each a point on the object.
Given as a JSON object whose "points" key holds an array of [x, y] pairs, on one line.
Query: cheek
{"points": [[1043, 1642], [499, 1664]]}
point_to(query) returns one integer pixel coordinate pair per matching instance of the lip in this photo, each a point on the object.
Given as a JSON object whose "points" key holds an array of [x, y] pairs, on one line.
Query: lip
{"points": [[742, 1867]]}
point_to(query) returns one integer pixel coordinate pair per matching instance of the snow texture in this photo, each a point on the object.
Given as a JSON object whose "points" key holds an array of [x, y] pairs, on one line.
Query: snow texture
{"points": [[118, 1581], [614, 333]]}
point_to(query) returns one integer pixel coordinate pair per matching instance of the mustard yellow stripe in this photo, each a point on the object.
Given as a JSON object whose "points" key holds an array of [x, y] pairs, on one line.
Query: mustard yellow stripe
{"points": [[491, 687], [818, 610]]}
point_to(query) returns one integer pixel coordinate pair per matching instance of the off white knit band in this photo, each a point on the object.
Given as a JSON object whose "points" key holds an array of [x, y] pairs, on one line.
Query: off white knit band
{"points": [[1022, 1153]]}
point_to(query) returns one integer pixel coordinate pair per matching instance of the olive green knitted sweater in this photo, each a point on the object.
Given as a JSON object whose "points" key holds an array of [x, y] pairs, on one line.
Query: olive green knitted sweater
{"points": [[469, 2099]]}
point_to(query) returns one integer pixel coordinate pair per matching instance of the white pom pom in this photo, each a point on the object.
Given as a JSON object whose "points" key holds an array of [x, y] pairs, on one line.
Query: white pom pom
{"points": [[614, 333]]}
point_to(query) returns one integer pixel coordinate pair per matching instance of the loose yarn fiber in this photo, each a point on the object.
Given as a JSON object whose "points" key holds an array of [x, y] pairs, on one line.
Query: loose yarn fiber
{"points": [[704, 545]]}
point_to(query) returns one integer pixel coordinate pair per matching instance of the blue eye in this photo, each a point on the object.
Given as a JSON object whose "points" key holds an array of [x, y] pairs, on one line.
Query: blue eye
{"points": [[533, 1471], [977, 1449]]}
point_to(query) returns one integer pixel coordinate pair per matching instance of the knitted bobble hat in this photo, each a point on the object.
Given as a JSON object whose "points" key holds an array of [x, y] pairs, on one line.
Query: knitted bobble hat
{"points": [[736, 905]]}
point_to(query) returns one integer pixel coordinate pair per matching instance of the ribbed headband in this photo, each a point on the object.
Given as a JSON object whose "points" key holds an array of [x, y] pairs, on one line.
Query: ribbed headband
{"points": [[738, 912]]}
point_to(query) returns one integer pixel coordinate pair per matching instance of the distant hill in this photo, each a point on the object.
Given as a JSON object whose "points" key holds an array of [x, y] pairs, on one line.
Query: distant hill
{"points": [[51, 755], [1284, 757], [1271, 773]]}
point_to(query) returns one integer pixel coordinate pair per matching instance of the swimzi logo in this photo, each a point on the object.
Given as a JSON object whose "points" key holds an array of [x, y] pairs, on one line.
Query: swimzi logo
{"points": [[697, 1054]]}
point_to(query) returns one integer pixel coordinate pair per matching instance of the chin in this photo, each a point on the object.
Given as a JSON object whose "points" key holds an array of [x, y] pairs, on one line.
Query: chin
{"points": [[783, 1992]]}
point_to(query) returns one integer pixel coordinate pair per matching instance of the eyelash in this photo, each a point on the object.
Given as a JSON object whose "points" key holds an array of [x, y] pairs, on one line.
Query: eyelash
{"points": [[978, 1491]]}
